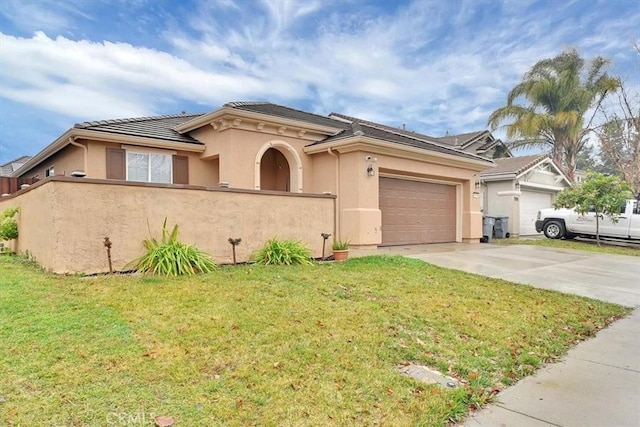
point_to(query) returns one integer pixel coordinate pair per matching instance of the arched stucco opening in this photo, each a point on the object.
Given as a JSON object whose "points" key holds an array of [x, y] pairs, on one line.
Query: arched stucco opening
{"points": [[278, 167], [274, 171]]}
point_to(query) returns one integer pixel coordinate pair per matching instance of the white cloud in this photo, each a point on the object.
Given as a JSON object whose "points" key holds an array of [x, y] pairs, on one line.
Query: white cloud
{"points": [[432, 65]]}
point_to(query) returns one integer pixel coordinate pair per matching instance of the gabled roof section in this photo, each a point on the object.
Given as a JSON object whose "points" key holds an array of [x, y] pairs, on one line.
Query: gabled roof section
{"points": [[462, 139], [365, 128], [158, 127], [267, 112], [515, 165], [13, 165]]}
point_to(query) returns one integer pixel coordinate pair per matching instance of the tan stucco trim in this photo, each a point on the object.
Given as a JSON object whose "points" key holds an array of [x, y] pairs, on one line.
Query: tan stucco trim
{"points": [[290, 153], [393, 149], [232, 114], [418, 178], [535, 185], [336, 213], [61, 178], [76, 134]]}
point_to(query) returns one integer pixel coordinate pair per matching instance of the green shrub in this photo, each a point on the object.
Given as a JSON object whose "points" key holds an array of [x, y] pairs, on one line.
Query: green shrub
{"points": [[340, 245], [282, 252], [169, 257], [8, 225]]}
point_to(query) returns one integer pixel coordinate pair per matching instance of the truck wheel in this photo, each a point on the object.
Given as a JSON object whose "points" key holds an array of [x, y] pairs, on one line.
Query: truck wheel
{"points": [[553, 229]]}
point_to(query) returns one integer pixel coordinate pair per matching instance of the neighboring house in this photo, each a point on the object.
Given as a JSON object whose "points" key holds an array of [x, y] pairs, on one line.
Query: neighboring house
{"points": [[393, 187], [10, 167], [579, 176], [481, 143], [520, 186]]}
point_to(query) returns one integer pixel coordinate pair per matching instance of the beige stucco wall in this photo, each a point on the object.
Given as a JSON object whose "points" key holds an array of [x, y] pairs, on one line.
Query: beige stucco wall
{"points": [[64, 162], [63, 221], [238, 153]]}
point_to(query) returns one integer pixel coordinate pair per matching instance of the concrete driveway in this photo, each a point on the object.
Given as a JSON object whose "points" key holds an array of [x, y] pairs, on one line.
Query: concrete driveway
{"points": [[613, 278], [598, 382]]}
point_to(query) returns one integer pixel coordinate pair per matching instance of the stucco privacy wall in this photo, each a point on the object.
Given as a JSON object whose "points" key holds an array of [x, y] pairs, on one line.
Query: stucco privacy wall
{"points": [[63, 221]]}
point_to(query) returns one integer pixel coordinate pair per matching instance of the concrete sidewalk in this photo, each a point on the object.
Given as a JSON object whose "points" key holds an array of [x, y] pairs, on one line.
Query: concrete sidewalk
{"points": [[598, 382]]}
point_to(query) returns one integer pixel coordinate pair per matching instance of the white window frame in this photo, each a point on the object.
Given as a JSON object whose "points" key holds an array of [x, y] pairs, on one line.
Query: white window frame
{"points": [[50, 171], [148, 154]]}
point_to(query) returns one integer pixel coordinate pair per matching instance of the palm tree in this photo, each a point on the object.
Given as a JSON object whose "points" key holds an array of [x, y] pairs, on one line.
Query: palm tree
{"points": [[558, 95]]}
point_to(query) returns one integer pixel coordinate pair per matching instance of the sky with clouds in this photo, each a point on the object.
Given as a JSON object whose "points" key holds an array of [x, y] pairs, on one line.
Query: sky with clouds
{"points": [[435, 65]]}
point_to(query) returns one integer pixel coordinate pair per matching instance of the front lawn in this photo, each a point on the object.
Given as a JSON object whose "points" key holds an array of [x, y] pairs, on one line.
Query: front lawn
{"points": [[589, 246], [247, 345]]}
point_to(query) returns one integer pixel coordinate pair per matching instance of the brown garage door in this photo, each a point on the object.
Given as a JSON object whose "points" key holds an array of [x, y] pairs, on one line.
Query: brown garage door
{"points": [[416, 212]]}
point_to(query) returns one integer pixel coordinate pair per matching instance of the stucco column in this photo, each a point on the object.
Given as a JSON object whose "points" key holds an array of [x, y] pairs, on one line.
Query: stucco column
{"points": [[360, 215], [471, 215]]}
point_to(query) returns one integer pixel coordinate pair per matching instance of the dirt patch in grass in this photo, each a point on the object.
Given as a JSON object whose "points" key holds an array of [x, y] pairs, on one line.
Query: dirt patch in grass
{"points": [[249, 345]]}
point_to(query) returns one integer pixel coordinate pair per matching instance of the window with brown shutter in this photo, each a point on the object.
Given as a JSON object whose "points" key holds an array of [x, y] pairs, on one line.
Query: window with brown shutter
{"points": [[180, 169], [116, 163]]}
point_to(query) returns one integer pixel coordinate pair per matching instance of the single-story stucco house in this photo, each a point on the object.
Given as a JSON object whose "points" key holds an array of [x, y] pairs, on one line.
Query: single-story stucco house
{"points": [[518, 187], [384, 186]]}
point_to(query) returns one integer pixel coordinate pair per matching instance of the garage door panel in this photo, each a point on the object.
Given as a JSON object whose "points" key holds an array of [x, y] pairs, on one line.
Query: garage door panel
{"points": [[530, 203], [417, 212]]}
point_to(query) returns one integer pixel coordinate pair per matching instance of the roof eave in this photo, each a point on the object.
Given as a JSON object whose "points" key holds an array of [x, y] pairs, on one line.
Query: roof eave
{"points": [[58, 144], [354, 142]]}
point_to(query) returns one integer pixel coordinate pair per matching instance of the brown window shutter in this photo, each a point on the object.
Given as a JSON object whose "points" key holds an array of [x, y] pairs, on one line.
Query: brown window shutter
{"points": [[116, 163], [180, 169]]}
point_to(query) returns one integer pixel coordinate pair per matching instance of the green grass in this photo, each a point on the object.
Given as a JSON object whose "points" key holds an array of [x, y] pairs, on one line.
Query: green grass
{"points": [[571, 244], [252, 345]]}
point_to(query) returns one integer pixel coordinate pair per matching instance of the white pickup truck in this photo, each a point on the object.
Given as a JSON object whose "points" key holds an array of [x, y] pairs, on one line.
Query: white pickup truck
{"points": [[567, 223]]}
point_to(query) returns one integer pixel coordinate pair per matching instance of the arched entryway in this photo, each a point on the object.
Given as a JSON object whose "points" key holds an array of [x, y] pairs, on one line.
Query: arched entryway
{"points": [[274, 171], [278, 168]]}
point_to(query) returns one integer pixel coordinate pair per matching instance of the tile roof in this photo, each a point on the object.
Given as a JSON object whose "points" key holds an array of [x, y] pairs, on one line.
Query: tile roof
{"points": [[287, 113], [398, 136], [399, 131], [514, 165], [460, 139], [9, 167], [158, 127], [162, 127]]}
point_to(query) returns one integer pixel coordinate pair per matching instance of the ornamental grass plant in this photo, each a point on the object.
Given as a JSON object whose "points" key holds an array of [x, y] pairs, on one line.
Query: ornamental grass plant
{"points": [[282, 252], [170, 257]]}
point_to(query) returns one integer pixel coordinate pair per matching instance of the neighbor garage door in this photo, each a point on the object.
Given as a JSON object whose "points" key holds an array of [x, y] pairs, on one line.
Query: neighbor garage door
{"points": [[530, 203], [416, 212]]}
